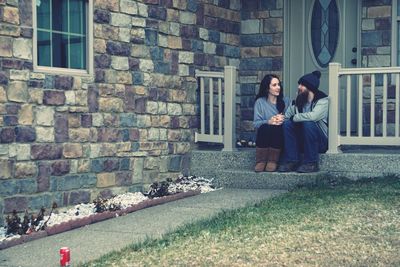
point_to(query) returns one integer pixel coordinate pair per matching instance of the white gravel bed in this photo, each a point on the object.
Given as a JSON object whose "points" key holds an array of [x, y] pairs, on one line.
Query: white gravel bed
{"points": [[126, 200], [191, 184], [85, 210]]}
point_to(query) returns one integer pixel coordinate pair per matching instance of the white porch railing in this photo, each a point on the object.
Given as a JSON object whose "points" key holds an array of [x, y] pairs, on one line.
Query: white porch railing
{"points": [[372, 82], [225, 104]]}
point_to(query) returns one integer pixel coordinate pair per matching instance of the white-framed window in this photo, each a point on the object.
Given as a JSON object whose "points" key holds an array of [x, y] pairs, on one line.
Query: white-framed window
{"points": [[63, 41]]}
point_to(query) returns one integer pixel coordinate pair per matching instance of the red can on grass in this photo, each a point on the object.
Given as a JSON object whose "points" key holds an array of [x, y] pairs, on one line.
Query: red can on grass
{"points": [[65, 256]]}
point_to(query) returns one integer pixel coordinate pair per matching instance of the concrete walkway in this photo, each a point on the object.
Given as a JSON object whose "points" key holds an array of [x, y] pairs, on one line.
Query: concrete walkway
{"points": [[92, 241]]}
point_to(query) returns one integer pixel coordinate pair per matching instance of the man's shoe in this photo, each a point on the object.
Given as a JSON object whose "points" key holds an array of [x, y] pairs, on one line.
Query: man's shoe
{"points": [[287, 167], [308, 167]]}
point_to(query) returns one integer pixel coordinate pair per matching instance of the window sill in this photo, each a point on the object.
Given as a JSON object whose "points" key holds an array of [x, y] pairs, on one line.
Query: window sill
{"points": [[62, 71]]}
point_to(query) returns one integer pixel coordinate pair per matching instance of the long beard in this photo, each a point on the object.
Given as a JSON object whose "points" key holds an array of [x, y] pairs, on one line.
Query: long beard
{"points": [[302, 100]]}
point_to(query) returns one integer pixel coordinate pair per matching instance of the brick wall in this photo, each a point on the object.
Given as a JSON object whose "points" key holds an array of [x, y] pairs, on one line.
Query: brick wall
{"points": [[69, 138]]}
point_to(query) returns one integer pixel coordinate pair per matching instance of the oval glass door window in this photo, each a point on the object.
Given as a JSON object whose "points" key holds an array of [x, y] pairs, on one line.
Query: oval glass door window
{"points": [[324, 30]]}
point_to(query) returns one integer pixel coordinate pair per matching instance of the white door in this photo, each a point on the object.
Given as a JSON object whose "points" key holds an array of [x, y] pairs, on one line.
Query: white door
{"points": [[318, 32]]}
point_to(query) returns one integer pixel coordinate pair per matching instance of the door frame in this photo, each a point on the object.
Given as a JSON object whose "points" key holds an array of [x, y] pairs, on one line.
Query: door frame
{"points": [[291, 72]]}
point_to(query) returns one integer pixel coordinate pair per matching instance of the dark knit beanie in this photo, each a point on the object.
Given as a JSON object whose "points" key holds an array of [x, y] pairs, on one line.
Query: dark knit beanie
{"points": [[311, 81]]}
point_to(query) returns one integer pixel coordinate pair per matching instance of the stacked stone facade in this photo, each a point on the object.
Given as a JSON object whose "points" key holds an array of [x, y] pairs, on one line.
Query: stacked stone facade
{"points": [[376, 46], [376, 27], [261, 50], [70, 139]]}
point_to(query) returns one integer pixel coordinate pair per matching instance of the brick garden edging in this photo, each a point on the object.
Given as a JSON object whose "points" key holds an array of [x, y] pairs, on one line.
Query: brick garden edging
{"points": [[97, 217]]}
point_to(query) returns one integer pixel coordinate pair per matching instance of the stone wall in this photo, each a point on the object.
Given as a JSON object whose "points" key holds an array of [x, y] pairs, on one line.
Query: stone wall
{"points": [[376, 21], [70, 139], [376, 27], [261, 43]]}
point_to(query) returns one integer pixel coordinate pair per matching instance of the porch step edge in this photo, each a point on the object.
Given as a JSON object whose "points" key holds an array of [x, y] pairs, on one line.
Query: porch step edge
{"points": [[349, 164], [266, 180]]}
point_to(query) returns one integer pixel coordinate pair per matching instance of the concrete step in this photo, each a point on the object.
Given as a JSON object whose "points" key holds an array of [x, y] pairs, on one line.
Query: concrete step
{"points": [[265, 180], [353, 165], [235, 169], [360, 165], [240, 159]]}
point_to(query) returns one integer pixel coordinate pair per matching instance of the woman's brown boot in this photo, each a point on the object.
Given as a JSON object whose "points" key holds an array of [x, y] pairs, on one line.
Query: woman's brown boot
{"points": [[273, 158], [261, 159]]}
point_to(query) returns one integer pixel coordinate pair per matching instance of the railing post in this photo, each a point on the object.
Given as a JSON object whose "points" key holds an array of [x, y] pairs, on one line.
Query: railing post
{"points": [[333, 129], [230, 108]]}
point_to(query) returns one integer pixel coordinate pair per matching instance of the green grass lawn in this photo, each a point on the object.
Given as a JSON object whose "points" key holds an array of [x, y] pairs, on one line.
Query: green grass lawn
{"points": [[353, 224]]}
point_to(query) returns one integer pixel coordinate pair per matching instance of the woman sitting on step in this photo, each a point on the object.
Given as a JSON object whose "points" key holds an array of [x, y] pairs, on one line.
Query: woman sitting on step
{"points": [[269, 110]]}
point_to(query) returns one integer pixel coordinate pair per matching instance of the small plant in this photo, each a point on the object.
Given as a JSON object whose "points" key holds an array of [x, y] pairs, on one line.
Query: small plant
{"points": [[99, 205], [37, 222], [159, 189], [13, 224], [29, 224], [102, 205]]}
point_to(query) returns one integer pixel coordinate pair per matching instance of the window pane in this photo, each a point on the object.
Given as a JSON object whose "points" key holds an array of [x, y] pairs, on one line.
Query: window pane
{"points": [[43, 14], [60, 50], [398, 43], [324, 31], [60, 18], [77, 52], [398, 7], [77, 13], [63, 41], [44, 51]]}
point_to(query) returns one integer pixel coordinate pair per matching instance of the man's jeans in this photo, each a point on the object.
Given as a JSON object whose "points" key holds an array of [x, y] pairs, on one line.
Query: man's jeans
{"points": [[303, 137]]}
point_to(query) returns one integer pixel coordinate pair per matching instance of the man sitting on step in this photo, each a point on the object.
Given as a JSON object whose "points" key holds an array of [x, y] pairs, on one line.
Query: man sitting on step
{"points": [[306, 126]]}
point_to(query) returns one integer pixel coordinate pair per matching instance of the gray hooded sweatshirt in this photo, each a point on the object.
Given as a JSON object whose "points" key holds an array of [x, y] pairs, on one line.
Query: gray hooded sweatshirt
{"points": [[315, 111]]}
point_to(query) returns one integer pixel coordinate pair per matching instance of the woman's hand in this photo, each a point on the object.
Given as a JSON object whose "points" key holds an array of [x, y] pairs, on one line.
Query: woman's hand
{"points": [[276, 119]]}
